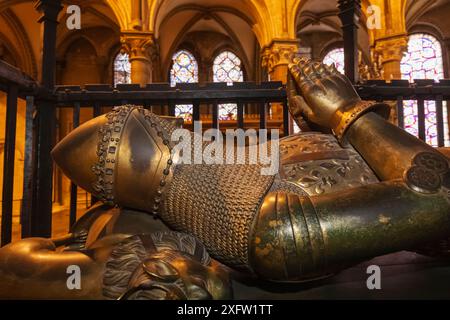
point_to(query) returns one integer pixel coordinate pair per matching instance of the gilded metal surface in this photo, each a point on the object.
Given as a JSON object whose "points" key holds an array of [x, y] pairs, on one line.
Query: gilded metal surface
{"points": [[318, 164], [297, 238], [325, 97], [102, 220], [112, 177], [432, 161], [267, 223], [422, 179], [427, 172], [350, 114], [158, 265], [281, 185], [287, 240], [108, 143], [163, 130], [389, 150], [217, 203], [76, 154], [34, 268], [163, 266]]}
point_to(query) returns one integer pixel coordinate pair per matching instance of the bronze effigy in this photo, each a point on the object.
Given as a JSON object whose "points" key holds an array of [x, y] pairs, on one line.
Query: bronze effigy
{"points": [[361, 189]]}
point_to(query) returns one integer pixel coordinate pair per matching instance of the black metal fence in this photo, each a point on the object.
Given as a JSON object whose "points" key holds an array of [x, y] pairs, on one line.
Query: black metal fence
{"points": [[163, 98], [420, 91]]}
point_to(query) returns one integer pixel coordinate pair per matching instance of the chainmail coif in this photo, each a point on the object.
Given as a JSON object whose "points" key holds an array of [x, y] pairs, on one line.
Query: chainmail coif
{"points": [[217, 203]]}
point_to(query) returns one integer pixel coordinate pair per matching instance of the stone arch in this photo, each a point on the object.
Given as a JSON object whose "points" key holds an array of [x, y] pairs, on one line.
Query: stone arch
{"points": [[255, 12], [214, 18], [25, 58], [80, 50]]}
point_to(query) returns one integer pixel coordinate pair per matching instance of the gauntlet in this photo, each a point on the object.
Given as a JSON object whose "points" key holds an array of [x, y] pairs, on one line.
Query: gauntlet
{"points": [[325, 97]]}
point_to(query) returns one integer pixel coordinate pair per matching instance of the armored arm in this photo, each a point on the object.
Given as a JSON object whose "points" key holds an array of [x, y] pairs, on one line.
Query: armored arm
{"points": [[392, 152], [323, 96], [299, 237]]}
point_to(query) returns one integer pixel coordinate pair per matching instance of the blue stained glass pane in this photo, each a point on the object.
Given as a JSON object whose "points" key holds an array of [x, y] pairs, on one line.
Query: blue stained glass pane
{"points": [[122, 69], [227, 68], [184, 70]]}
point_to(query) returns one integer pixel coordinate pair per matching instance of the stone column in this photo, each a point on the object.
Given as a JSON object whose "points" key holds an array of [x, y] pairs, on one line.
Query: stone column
{"points": [[136, 14], [390, 51], [446, 56], [141, 47], [275, 59]]}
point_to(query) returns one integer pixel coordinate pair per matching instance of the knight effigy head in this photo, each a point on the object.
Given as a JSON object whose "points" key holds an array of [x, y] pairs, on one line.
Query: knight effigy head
{"points": [[89, 156]]}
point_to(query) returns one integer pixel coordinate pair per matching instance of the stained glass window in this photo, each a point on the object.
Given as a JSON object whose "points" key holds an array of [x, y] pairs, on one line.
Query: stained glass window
{"points": [[227, 68], [336, 56], [423, 61], [184, 70], [122, 69]]}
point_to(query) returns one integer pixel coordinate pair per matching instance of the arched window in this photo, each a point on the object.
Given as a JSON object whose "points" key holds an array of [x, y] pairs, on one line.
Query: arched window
{"points": [[227, 67], [122, 69], [184, 70], [336, 56], [423, 61]]}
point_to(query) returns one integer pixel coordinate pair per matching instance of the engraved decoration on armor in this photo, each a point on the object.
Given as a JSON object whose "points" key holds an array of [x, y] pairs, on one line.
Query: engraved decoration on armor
{"points": [[423, 180], [109, 137], [318, 164], [428, 172], [162, 130], [431, 161]]}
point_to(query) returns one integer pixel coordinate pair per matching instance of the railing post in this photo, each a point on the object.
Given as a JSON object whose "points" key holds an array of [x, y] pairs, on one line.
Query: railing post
{"points": [[286, 119], [421, 119], [263, 115], [240, 115], [25, 215], [41, 222], [400, 113], [215, 115], [196, 111], [349, 14], [8, 164], [440, 121]]}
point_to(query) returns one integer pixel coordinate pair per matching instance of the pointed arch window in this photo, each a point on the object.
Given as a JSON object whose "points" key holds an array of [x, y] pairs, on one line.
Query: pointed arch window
{"points": [[337, 57], [227, 68], [122, 69], [423, 60], [184, 70]]}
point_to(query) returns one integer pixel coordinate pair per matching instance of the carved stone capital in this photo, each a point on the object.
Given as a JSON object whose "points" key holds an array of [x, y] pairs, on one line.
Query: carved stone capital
{"points": [[139, 45], [278, 53], [391, 49]]}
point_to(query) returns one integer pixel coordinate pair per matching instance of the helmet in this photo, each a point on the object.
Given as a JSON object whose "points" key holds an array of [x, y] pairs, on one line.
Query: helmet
{"points": [[123, 157]]}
